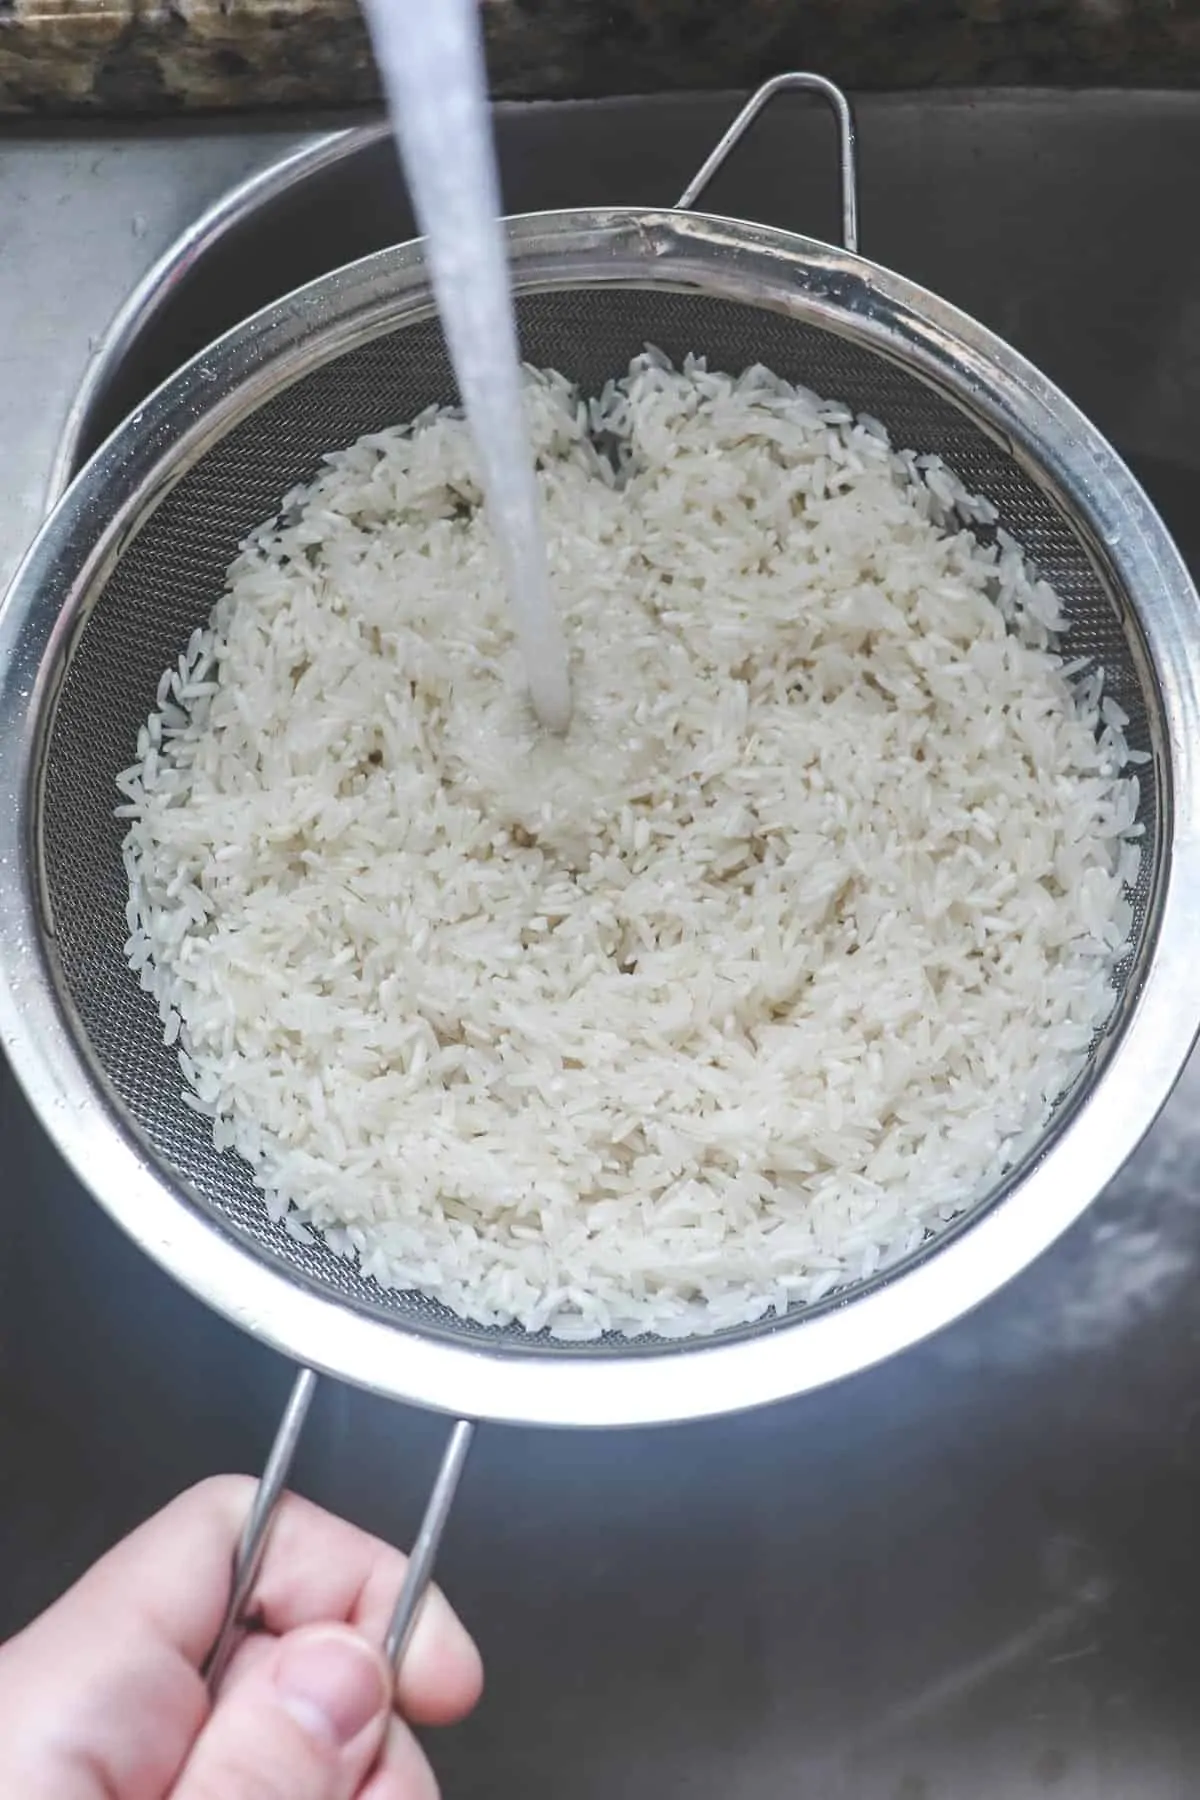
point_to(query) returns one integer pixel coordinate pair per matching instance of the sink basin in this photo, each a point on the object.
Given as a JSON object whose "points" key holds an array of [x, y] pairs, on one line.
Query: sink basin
{"points": [[967, 1571]]}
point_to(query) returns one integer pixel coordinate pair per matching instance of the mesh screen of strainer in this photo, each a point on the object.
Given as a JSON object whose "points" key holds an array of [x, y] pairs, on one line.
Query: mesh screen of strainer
{"points": [[166, 581]]}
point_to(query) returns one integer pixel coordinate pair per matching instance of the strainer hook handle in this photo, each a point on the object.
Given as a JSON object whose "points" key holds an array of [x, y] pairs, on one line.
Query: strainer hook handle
{"points": [[256, 1532], [425, 1545], [847, 150], [252, 1544]]}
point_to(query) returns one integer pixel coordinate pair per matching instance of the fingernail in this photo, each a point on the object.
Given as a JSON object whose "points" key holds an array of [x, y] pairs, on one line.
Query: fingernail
{"points": [[332, 1685]]}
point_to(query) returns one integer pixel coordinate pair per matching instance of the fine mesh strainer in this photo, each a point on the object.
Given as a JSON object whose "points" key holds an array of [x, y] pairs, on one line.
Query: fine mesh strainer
{"points": [[132, 560]]}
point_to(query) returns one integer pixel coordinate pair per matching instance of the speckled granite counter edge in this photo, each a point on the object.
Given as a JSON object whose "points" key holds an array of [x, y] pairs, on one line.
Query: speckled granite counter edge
{"points": [[170, 56]]}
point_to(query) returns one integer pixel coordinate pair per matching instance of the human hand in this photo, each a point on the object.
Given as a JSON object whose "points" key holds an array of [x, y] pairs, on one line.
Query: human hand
{"points": [[102, 1697]]}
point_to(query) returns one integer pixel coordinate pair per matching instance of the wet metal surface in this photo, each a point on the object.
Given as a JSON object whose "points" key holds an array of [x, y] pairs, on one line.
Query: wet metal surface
{"points": [[971, 1574]]}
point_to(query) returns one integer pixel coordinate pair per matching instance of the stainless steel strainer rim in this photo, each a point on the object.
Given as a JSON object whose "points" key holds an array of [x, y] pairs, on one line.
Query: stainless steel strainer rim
{"points": [[132, 472]]}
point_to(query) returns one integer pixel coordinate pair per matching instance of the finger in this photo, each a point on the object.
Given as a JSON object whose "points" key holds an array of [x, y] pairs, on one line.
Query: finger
{"points": [[82, 1717], [107, 1680], [439, 1681], [441, 1676], [318, 1567], [403, 1772], [305, 1723], [246, 1659], [170, 1576], [173, 1574]]}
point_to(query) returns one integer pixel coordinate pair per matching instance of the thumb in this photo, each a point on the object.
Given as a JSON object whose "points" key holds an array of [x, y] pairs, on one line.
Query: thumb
{"points": [[305, 1722]]}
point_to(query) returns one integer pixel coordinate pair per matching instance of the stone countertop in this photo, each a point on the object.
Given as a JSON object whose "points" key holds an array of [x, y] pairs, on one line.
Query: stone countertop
{"points": [[171, 56]]}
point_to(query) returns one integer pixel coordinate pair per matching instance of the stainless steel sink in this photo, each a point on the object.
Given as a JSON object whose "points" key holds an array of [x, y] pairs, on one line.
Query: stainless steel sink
{"points": [[970, 1572]]}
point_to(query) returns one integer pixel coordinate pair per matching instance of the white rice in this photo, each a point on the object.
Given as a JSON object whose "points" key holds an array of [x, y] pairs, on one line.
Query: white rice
{"points": [[769, 969]]}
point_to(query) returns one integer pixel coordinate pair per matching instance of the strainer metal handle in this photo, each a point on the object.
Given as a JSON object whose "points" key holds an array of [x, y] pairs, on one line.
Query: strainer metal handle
{"points": [[256, 1531], [847, 145], [252, 1544]]}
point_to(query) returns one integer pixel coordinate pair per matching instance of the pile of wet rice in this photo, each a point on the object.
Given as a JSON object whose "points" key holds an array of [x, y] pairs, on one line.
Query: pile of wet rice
{"points": [[767, 969]]}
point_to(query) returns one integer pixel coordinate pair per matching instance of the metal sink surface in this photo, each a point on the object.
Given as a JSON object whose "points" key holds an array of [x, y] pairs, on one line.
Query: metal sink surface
{"points": [[968, 1574]]}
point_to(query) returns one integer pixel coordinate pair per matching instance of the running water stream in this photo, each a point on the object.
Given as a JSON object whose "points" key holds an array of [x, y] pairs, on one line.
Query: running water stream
{"points": [[430, 58]]}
